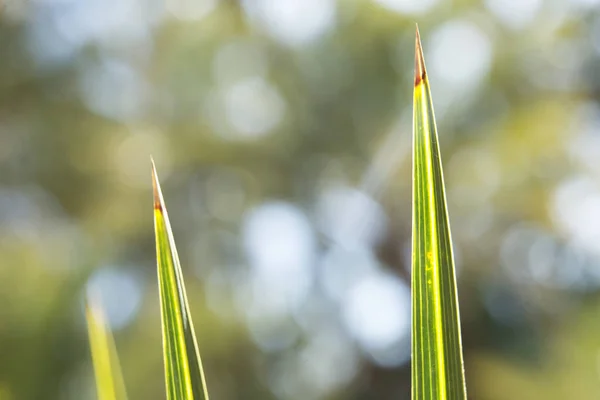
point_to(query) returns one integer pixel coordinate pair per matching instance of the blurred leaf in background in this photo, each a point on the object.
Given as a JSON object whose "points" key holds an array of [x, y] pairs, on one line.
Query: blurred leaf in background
{"points": [[109, 379], [282, 131]]}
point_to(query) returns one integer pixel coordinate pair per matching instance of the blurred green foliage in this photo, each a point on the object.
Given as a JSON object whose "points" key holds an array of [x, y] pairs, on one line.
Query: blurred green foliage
{"points": [[238, 112]]}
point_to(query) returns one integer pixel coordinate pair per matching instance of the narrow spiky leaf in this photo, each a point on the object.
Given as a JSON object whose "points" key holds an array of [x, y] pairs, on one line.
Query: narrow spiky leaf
{"points": [[109, 380], [437, 361], [183, 367]]}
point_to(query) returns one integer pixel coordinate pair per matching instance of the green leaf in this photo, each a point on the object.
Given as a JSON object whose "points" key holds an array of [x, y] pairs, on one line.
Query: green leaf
{"points": [[183, 367], [109, 380], [437, 361]]}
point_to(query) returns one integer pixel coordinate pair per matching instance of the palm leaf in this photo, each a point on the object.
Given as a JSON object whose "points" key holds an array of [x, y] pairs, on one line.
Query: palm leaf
{"points": [[109, 380], [183, 367], [437, 361]]}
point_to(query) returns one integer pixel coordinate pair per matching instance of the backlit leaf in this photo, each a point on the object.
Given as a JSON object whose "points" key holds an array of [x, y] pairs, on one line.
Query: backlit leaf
{"points": [[437, 361], [183, 367]]}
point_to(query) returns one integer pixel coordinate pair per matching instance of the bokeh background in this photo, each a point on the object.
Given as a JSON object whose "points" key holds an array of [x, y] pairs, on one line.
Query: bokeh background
{"points": [[281, 130]]}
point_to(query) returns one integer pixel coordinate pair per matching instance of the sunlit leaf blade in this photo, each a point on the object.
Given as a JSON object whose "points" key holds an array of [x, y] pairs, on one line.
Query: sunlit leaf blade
{"points": [[183, 367], [109, 380], [437, 361]]}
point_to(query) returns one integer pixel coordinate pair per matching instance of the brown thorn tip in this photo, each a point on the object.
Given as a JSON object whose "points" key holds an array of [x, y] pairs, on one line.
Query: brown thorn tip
{"points": [[155, 187], [419, 60]]}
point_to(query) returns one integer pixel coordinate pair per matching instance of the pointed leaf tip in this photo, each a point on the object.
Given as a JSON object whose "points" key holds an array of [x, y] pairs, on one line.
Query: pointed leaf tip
{"points": [[156, 188], [183, 368], [437, 359], [420, 71]]}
